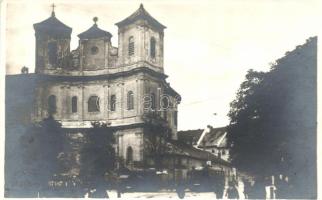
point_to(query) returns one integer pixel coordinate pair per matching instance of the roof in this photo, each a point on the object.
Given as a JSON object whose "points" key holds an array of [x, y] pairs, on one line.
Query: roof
{"points": [[190, 136], [169, 90], [52, 26], [180, 148], [215, 137], [64, 77], [141, 13], [212, 137], [94, 32]]}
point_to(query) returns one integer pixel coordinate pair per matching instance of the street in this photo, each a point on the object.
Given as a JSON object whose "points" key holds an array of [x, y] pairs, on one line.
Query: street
{"points": [[161, 195]]}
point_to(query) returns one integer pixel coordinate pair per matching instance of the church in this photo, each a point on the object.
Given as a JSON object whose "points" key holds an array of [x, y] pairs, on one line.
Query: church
{"points": [[99, 82]]}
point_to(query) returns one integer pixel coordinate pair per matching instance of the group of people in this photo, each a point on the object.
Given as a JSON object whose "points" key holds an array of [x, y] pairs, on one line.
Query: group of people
{"points": [[257, 189]]}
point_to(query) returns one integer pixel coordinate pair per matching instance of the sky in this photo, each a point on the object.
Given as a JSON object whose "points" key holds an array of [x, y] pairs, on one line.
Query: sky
{"points": [[209, 45]]}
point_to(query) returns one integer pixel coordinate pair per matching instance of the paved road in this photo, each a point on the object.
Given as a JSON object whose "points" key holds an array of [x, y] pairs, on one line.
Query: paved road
{"points": [[162, 195]]}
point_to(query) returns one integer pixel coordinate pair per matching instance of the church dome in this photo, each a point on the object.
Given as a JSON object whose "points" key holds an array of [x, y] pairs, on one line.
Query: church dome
{"points": [[94, 32], [52, 26]]}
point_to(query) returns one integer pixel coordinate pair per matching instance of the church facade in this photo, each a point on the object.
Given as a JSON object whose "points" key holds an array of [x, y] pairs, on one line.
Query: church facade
{"points": [[98, 82]]}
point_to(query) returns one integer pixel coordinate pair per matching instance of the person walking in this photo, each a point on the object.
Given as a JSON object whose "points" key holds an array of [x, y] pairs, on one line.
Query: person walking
{"points": [[232, 192]]}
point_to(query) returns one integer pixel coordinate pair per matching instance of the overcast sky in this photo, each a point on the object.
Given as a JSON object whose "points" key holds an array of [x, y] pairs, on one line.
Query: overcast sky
{"points": [[209, 45]]}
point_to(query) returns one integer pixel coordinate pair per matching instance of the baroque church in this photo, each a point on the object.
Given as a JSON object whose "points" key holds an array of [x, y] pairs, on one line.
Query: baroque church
{"points": [[98, 82]]}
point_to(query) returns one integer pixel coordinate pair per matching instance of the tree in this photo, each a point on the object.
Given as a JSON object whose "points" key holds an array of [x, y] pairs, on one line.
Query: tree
{"points": [[273, 120], [157, 132], [42, 143], [97, 155]]}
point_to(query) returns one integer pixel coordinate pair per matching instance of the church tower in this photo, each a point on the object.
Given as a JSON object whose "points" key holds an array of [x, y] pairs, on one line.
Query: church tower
{"points": [[94, 48], [52, 45], [141, 40]]}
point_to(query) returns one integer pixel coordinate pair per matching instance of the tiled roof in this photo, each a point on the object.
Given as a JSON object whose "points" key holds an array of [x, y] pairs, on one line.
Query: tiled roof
{"points": [[94, 32], [190, 136], [53, 26], [141, 13], [216, 137], [180, 148]]}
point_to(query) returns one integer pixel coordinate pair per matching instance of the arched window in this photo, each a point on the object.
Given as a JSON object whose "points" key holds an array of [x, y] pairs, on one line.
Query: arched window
{"points": [[152, 47], [74, 104], [93, 104], [52, 104], [52, 52], [153, 103], [130, 100], [164, 106], [129, 155], [131, 46], [165, 102], [113, 103]]}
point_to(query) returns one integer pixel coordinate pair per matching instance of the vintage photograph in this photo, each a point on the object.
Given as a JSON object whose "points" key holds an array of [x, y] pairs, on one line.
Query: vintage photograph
{"points": [[161, 99]]}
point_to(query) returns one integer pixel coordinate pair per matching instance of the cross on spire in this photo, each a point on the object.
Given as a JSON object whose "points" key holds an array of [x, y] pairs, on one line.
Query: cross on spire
{"points": [[53, 9], [95, 19]]}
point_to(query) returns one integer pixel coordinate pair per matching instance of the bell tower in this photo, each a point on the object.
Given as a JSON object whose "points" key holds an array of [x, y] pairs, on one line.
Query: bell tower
{"points": [[95, 45], [52, 44], [141, 40]]}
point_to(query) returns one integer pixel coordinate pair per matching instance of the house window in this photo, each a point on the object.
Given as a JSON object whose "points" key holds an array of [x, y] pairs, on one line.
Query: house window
{"points": [[152, 47], [94, 50], [74, 104], [129, 155], [93, 104], [179, 161], [131, 46], [153, 103], [130, 100], [52, 104], [113, 103], [52, 53]]}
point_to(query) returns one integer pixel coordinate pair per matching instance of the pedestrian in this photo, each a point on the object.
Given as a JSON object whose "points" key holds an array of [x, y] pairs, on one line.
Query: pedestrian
{"points": [[247, 189], [232, 192], [219, 185]]}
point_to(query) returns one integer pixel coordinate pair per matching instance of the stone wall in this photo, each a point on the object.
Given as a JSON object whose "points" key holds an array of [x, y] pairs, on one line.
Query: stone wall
{"points": [[130, 138], [140, 84], [94, 59]]}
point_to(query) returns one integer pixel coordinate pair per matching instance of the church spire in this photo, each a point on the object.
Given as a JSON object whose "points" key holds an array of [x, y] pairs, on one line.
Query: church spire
{"points": [[53, 10]]}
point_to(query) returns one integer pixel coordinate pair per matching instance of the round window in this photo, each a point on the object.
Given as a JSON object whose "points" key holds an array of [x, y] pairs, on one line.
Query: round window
{"points": [[94, 50]]}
